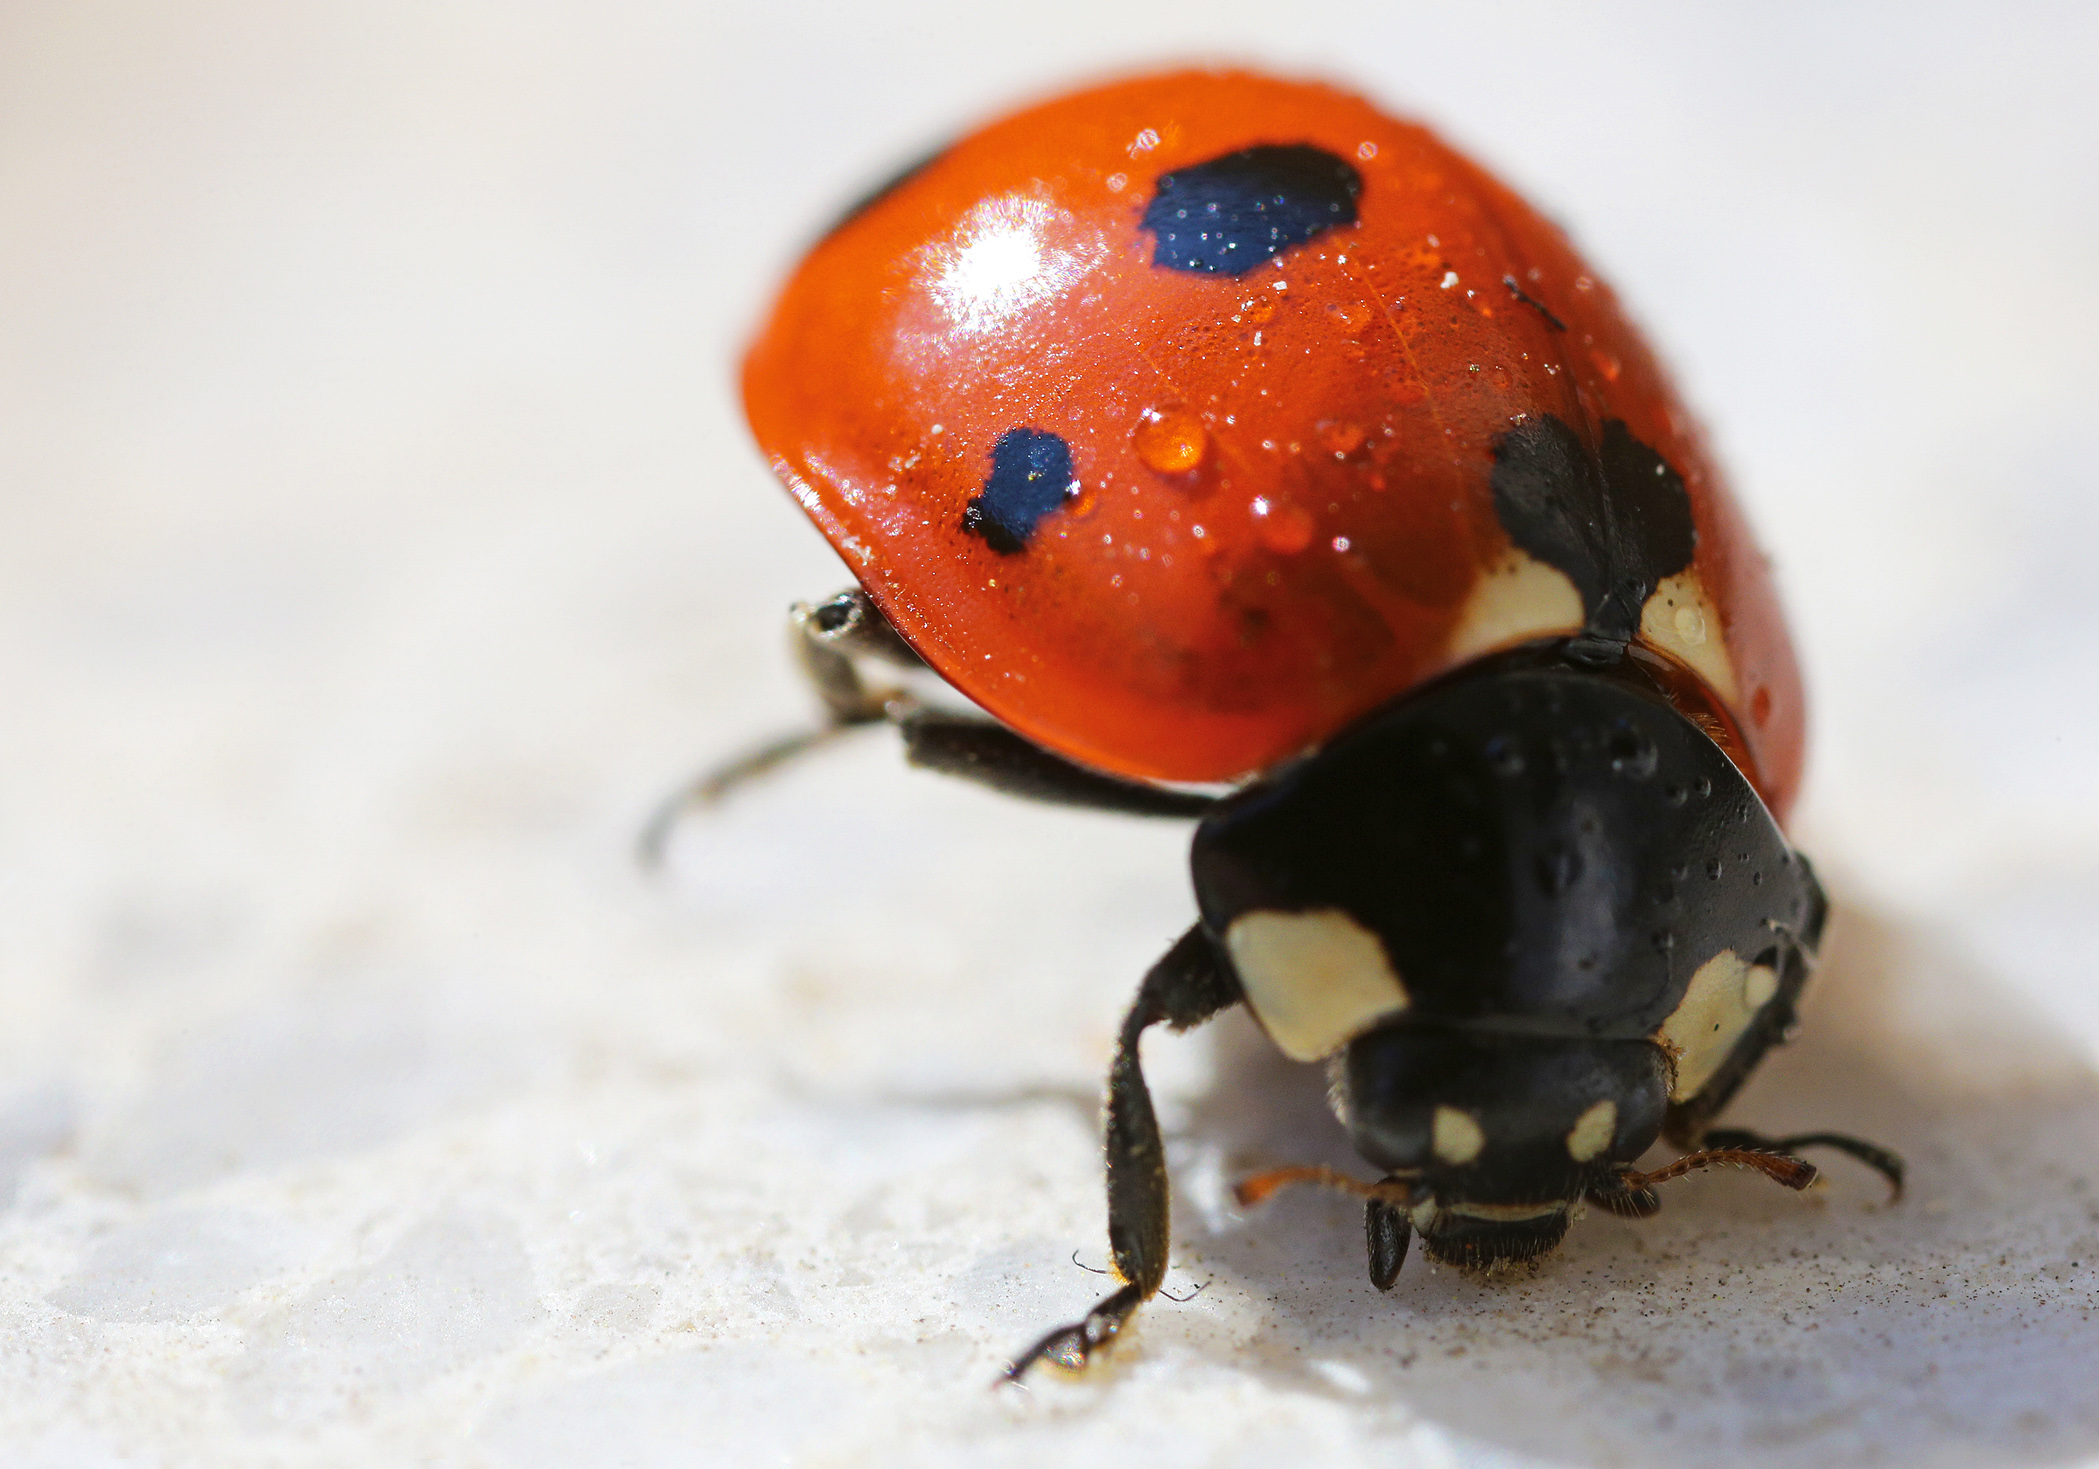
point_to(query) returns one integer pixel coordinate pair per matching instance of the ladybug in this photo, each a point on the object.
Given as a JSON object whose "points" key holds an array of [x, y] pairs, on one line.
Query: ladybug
{"points": [[1248, 455]]}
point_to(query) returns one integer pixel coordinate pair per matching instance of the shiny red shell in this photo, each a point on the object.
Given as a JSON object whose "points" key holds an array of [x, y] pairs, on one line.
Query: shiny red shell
{"points": [[1282, 515]]}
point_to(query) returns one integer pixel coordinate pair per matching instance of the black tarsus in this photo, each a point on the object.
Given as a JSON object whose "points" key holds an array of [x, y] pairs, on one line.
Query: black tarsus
{"points": [[1186, 987], [1881, 1160], [1532, 301], [992, 755]]}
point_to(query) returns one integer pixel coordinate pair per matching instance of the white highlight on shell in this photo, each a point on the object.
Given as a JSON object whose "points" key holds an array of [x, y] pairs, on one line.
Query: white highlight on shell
{"points": [[1680, 620], [1719, 1006], [1593, 1131], [997, 263], [1314, 980], [1517, 599], [1456, 1135]]}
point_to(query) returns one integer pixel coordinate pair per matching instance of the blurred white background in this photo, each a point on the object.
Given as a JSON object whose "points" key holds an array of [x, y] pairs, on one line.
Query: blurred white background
{"points": [[379, 539]]}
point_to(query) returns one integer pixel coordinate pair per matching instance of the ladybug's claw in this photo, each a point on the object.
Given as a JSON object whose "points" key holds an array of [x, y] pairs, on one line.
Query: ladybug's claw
{"points": [[1073, 1347]]}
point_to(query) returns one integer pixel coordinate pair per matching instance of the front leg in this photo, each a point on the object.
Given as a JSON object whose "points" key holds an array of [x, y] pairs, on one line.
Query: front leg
{"points": [[1183, 989]]}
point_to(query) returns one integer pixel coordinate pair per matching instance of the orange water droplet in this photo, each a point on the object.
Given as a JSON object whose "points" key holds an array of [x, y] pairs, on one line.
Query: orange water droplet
{"points": [[1338, 436], [1171, 440], [1281, 526], [1258, 310], [1352, 315], [1499, 376]]}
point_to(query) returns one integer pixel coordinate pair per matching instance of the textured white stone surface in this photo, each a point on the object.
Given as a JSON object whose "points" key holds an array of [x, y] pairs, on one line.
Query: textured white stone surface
{"points": [[378, 541]]}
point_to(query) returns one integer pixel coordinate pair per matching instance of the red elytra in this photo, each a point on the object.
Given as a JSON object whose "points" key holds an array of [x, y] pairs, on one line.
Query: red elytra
{"points": [[1282, 514]]}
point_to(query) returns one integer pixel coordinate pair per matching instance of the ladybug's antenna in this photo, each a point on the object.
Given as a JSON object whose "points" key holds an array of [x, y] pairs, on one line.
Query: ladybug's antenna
{"points": [[1397, 1190]]}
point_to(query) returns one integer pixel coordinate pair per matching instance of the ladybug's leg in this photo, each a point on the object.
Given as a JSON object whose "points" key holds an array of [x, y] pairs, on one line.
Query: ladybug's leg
{"points": [[1887, 1164], [990, 754], [849, 626], [1183, 989], [828, 637]]}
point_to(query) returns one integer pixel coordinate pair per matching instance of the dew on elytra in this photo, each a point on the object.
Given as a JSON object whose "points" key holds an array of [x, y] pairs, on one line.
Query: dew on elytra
{"points": [[1281, 526], [1170, 439]]}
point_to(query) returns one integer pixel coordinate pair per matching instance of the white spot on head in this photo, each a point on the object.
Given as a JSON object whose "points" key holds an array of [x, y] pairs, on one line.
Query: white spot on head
{"points": [[1514, 601], [1593, 1131], [1718, 1007], [1314, 980], [1456, 1135]]}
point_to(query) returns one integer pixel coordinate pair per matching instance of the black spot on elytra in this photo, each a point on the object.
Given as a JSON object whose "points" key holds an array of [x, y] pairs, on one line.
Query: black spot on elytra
{"points": [[1616, 523], [1030, 476], [884, 189], [1226, 216]]}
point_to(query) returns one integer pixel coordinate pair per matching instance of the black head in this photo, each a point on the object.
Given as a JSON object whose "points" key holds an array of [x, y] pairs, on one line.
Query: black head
{"points": [[1524, 913], [1501, 1133]]}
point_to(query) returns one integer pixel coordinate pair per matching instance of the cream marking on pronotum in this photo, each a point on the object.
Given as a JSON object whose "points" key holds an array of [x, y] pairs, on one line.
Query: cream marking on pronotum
{"points": [[1593, 1131], [1720, 1004], [1314, 980], [1456, 1136], [1516, 599]]}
